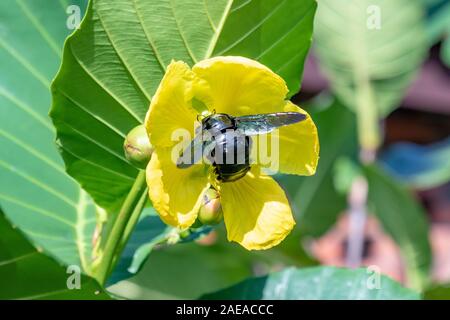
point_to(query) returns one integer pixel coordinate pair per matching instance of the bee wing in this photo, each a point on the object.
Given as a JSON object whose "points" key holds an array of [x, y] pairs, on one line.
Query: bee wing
{"points": [[266, 123], [194, 152]]}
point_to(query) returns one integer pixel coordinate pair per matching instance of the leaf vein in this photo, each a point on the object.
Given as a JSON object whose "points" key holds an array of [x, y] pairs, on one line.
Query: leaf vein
{"points": [[122, 60], [149, 38], [98, 144], [34, 152], [93, 77], [255, 27]]}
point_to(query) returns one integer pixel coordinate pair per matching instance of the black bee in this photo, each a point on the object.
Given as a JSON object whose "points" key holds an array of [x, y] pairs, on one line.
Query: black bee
{"points": [[225, 141]]}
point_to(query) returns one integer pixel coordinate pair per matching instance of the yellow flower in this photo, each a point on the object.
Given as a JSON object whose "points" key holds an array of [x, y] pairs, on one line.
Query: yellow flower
{"points": [[256, 211]]}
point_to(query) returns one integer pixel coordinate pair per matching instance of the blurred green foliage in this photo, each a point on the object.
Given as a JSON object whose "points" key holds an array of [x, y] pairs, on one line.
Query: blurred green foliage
{"points": [[27, 273]]}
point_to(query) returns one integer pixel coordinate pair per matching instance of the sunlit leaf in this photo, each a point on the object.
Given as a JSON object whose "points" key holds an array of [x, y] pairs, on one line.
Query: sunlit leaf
{"points": [[438, 26], [147, 233]]}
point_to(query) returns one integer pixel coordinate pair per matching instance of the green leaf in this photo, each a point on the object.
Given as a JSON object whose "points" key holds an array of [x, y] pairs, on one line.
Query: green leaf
{"points": [[405, 221], [368, 66], [147, 233], [437, 292], [276, 33], [445, 50], [199, 270], [337, 136], [438, 19], [114, 63], [318, 283], [35, 192], [27, 273]]}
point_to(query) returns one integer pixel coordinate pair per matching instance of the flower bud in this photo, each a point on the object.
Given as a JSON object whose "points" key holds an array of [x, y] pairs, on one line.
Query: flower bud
{"points": [[137, 147], [211, 209], [173, 237], [184, 233]]}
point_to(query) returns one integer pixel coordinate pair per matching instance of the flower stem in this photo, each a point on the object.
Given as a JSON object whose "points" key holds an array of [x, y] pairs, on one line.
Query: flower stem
{"points": [[131, 208], [367, 117], [134, 218], [357, 200]]}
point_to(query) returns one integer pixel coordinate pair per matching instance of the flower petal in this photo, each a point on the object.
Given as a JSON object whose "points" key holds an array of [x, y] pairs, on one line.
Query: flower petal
{"points": [[171, 106], [176, 194], [238, 86], [256, 211], [298, 146]]}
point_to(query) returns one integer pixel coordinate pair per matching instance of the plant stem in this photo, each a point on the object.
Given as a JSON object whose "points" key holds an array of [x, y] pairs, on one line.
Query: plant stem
{"points": [[357, 199], [369, 140], [134, 218], [367, 116], [132, 206]]}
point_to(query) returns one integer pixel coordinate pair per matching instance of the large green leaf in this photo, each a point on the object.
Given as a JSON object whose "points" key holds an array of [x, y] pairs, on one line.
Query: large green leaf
{"points": [[26, 273], [438, 21], [199, 269], [149, 231], [404, 219], [368, 66], [445, 51], [113, 65], [35, 192], [318, 283], [337, 133]]}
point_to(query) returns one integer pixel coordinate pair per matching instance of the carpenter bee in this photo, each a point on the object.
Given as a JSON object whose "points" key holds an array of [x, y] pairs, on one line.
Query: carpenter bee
{"points": [[225, 141]]}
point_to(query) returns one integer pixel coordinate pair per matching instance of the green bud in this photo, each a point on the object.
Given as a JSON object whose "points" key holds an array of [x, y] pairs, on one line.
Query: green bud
{"points": [[211, 209], [137, 147], [173, 237], [184, 233]]}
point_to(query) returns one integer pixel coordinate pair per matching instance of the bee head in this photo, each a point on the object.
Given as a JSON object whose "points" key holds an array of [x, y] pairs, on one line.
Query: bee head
{"points": [[218, 121]]}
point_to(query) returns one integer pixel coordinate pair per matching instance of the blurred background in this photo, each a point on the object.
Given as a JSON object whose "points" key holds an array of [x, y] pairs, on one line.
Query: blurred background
{"points": [[413, 155]]}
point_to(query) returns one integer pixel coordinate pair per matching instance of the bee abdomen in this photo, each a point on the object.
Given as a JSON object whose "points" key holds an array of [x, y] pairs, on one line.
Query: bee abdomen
{"points": [[229, 173]]}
